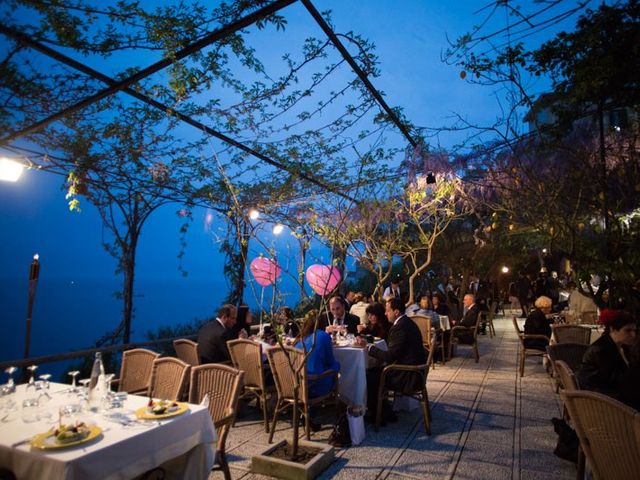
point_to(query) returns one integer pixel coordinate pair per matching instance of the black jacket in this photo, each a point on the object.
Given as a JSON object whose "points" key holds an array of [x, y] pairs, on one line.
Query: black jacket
{"points": [[471, 317], [405, 348], [212, 342], [537, 324], [352, 322], [603, 368]]}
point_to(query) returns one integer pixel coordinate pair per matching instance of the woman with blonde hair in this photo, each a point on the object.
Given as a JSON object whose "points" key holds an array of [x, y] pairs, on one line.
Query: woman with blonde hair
{"points": [[538, 324]]}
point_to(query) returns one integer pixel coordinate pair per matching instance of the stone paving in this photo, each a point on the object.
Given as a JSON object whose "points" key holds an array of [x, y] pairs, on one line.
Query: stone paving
{"points": [[487, 422]]}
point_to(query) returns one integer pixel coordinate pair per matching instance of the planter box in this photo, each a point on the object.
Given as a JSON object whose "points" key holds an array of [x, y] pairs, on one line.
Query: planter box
{"points": [[265, 464]]}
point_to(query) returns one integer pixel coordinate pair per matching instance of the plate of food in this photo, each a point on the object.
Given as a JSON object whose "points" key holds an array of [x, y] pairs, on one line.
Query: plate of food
{"points": [[161, 409], [64, 436]]}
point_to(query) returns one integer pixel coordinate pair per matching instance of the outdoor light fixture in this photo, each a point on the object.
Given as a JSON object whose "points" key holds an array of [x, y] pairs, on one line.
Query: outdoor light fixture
{"points": [[277, 229], [505, 269], [254, 214], [431, 178], [544, 250], [10, 170]]}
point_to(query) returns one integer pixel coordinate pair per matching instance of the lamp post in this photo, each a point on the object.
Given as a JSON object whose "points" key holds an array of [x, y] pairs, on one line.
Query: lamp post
{"points": [[34, 274]]}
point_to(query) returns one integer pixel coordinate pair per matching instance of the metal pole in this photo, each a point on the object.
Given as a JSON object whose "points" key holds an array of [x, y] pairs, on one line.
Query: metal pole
{"points": [[34, 273]]}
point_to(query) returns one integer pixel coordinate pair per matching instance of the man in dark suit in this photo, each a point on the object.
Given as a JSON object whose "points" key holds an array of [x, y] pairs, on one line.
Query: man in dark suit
{"points": [[213, 336], [340, 317], [469, 318], [405, 348]]}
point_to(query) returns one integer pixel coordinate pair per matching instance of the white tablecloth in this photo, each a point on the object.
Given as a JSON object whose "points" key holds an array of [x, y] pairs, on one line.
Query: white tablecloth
{"points": [[184, 445], [353, 372]]}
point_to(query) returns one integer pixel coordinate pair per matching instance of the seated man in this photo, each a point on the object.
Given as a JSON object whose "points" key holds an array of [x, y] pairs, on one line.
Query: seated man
{"points": [[405, 348], [340, 317], [469, 319], [213, 336]]}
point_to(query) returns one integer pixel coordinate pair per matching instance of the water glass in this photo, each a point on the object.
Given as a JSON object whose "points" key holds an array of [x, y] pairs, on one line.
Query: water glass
{"points": [[74, 375], [30, 410], [68, 414]]}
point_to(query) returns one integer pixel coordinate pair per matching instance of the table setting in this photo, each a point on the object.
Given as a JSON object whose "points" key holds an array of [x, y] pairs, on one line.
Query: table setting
{"points": [[48, 430]]}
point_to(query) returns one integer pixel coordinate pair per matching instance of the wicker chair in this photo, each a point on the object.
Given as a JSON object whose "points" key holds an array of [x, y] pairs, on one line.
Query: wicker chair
{"points": [[187, 351], [169, 378], [455, 340], [608, 431], [424, 324], [135, 371], [571, 353], [247, 357], [524, 351], [569, 383], [572, 334], [284, 379], [489, 316], [420, 395], [223, 385]]}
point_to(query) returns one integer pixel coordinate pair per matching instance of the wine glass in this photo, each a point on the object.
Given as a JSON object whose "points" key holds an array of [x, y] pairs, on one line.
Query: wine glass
{"points": [[45, 384], [85, 387], [32, 381], [10, 386], [74, 388]]}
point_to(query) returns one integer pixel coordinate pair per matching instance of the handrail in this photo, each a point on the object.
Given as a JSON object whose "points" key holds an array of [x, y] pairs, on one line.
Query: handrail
{"points": [[24, 362]]}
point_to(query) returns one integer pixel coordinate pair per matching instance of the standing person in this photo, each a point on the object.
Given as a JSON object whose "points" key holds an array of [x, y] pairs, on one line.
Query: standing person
{"points": [[393, 290], [359, 308], [523, 287], [340, 317], [404, 348], [213, 336]]}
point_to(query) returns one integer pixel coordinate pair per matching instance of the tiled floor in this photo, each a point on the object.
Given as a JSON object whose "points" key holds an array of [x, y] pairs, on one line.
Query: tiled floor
{"points": [[488, 423]]}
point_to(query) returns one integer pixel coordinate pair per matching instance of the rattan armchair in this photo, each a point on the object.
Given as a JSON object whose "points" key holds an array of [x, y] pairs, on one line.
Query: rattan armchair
{"points": [[223, 385], [284, 376], [425, 326], [246, 356], [187, 351], [609, 434], [135, 371], [571, 353], [524, 351], [456, 340], [572, 334], [421, 395], [169, 378], [489, 316]]}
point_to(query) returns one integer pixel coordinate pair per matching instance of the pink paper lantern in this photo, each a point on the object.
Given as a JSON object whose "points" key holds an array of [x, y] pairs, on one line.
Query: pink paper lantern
{"points": [[265, 270], [322, 278]]}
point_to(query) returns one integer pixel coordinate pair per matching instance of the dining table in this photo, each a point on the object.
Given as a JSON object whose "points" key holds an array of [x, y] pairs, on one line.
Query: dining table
{"points": [[121, 444], [354, 361]]}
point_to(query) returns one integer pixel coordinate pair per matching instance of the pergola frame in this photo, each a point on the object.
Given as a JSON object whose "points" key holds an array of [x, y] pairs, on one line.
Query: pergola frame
{"points": [[114, 86]]}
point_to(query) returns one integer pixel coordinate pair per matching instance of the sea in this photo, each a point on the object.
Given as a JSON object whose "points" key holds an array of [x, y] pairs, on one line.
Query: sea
{"points": [[72, 315]]}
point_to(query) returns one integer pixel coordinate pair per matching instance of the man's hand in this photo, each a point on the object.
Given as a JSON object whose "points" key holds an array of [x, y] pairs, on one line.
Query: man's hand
{"points": [[330, 329]]}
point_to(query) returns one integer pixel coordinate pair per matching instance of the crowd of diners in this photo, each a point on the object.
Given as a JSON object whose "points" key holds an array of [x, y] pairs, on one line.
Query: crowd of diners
{"points": [[611, 365]]}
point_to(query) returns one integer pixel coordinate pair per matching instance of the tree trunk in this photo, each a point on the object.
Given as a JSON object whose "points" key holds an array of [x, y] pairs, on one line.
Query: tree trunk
{"points": [[128, 270]]}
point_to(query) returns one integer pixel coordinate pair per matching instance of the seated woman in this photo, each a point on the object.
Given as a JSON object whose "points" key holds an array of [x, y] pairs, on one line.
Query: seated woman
{"points": [[378, 324], [244, 319], [605, 364], [439, 306], [321, 357], [538, 324]]}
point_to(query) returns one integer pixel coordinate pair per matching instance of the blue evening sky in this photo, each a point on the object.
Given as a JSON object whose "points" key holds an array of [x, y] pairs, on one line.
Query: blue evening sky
{"points": [[410, 36]]}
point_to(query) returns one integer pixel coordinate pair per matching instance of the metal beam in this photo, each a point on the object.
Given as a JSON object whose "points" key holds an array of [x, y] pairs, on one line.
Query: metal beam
{"points": [[120, 85], [356, 68], [26, 40]]}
